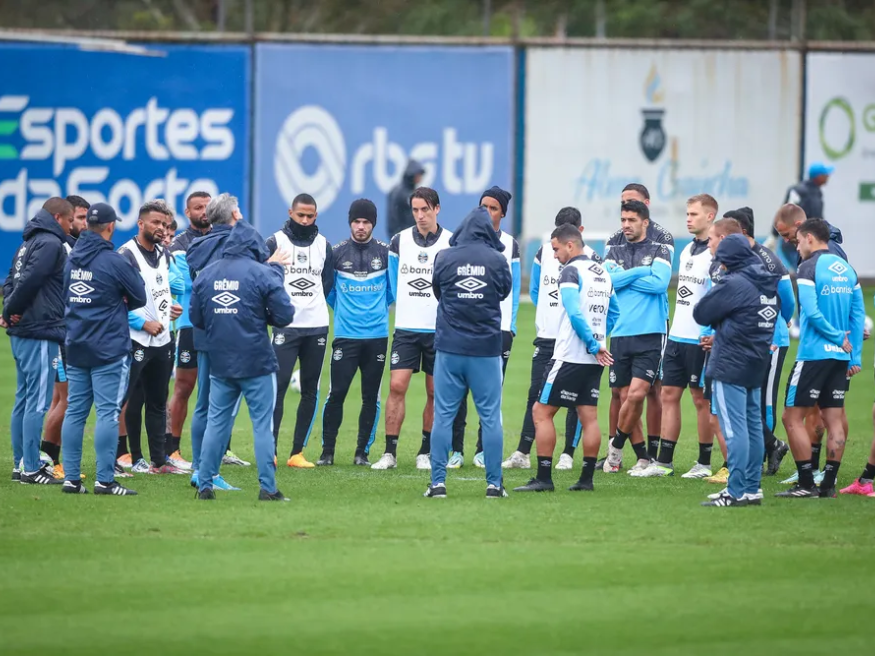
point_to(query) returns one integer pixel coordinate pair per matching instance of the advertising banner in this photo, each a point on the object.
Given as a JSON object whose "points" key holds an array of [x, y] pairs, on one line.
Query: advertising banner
{"points": [[341, 122], [680, 122], [840, 132], [119, 128]]}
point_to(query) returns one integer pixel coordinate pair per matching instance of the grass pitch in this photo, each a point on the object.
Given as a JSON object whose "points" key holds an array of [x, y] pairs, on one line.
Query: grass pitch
{"points": [[360, 563]]}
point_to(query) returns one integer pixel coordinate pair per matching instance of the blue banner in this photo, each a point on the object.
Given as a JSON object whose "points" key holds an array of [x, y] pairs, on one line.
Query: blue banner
{"points": [[120, 128], [340, 123]]}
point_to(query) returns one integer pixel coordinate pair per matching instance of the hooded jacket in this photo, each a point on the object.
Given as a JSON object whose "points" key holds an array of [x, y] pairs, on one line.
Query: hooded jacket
{"points": [[398, 213], [100, 287], [834, 244], [234, 300], [470, 280], [742, 307], [201, 252], [34, 288]]}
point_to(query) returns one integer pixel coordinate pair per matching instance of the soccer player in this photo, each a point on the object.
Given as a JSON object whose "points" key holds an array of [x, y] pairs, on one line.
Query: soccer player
{"points": [[572, 379], [186, 357], [411, 262], [495, 201], [658, 234], [33, 315], [742, 308], [308, 280], [101, 288], [233, 300], [640, 270], [684, 357], [360, 298], [151, 344], [544, 292], [831, 322], [470, 280]]}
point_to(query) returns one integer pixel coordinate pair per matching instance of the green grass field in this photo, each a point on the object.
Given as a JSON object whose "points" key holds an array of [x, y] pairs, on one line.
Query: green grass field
{"points": [[360, 563]]}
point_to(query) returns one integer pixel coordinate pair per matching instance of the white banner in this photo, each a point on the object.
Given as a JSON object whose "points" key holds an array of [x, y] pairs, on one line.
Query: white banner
{"points": [[680, 122], [840, 131]]}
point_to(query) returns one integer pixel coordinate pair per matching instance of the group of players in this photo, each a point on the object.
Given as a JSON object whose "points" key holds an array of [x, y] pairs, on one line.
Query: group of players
{"points": [[362, 277]]}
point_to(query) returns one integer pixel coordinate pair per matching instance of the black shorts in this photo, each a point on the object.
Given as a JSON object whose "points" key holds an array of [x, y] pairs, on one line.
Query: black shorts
{"points": [[58, 364], [412, 350], [568, 384], [682, 365], [186, 356], [817, 382], [637, 356]]}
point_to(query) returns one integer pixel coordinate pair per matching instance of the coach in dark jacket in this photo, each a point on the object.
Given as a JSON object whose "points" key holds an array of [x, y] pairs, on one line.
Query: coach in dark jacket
{"points": [[398, 213], [233, 301], [470, 280], [742, 307]]}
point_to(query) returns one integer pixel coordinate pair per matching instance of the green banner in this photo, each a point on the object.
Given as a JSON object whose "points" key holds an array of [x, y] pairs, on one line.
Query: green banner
{"points": [[867, 191]]}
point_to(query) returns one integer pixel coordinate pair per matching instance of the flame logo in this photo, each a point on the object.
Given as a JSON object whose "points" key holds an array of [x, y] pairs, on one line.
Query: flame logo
{"points": [[653, 87]]}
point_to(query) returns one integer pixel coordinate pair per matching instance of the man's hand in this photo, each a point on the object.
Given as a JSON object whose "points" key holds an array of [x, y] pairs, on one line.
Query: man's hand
{"points": [[3, 323], [853, 371], [14, 319], [154, 328], [846, 345], [604, 357], [706, 342], [280, 256], [175, 311]]}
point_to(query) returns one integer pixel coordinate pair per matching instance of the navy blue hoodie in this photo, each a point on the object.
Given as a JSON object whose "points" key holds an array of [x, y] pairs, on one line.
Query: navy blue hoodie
{"points": [[35, 286], [234, 300], [100, 287], [470, 280], [201, 252], [742, 307]]}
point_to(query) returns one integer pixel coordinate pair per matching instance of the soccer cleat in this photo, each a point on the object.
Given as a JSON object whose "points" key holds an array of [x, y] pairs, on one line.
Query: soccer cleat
{"points": [[220, 483], [140, 467], [479, 460], [582, 486], [206, 494], [438, 491], [361, 461], [298, 461], [776, 457], [863, 489], [125, 461], [16, 474], [264, 495], [194, 482], [325, 460], [113, 489], [386, 461], [726, 501], [40, 477], [120, 472], [517, 460], [565, 463], [827, 493], [423, 461], [818, 477], [179, 462], [698, 471], [754, 499], [720, 478], [167, 468], [231, 459], [456, 461], [719, 494], [653, 470], [536, 485], [73, 487], [496, 492], [58, 471], [614, 461], [799, 492], [793, 479], [640, 467]]}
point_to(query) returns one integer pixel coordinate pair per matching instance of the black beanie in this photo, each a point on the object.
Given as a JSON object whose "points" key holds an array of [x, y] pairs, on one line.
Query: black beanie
{"points": [[503, 197], [363, 209]]}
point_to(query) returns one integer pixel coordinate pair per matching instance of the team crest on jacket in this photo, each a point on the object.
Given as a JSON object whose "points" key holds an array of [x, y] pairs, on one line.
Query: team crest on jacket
{"points": [[302, 257], [159, 279], [279, 339], [646, 260], [689, 264], [376, 264], [422, 257], [139, 355], [338, 354]]}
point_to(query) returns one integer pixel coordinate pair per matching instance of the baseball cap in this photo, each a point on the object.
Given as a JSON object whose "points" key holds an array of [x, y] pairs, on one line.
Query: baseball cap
{"points": [[101, 213], [819, 168]]}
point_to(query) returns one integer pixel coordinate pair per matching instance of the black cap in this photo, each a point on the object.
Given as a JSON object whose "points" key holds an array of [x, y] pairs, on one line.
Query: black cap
{"points": [[363, 209], [101, 213]]}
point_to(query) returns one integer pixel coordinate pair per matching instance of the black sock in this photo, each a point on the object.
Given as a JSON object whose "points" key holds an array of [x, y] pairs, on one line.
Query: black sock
{"points": [[52, 450], [641, 451], [806, 475], [620, 440], [815, 456], [392, 444], [168, 444], [653, 446], [545, 469], [770, 442], [725, 465], [705, 454], [175, 442], [868, 474], [122, 446], [830, 472], [588, 469], [425, 449], [525, 445], [666, 451], [569, 450]]}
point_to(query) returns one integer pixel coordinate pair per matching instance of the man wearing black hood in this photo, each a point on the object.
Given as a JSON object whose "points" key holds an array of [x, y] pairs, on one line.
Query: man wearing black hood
{"points": [[309, 278], [33, 313], [742, 307], [398, 213]]}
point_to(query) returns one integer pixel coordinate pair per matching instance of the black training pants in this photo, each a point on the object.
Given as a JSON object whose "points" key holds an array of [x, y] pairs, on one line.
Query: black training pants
{"points": [[151, 368], [310, 349]]}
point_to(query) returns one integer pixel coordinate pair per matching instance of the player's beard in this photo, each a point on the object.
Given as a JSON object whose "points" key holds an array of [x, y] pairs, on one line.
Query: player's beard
{"points": [[201, 224]]}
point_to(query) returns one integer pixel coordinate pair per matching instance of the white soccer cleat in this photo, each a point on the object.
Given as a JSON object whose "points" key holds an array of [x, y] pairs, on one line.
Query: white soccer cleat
{"points": [[386, 461], [699, 471], [423, 461], [456, 461], [479, 460], [640, 467], [719, 494], [653, 470], [614, 460], [517, 460], [566, 462]]}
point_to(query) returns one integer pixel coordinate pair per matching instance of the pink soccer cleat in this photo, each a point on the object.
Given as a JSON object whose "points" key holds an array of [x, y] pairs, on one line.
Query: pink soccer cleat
{"points": [[863, 489]]}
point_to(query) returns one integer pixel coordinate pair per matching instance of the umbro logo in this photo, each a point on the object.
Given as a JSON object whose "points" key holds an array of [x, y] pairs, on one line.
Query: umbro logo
{"points": [[554, 294], [81, 289], [768, 313], [471, 284], [684, 292], [837, 268], [302, 284], [419, 284], [226, 299]]}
